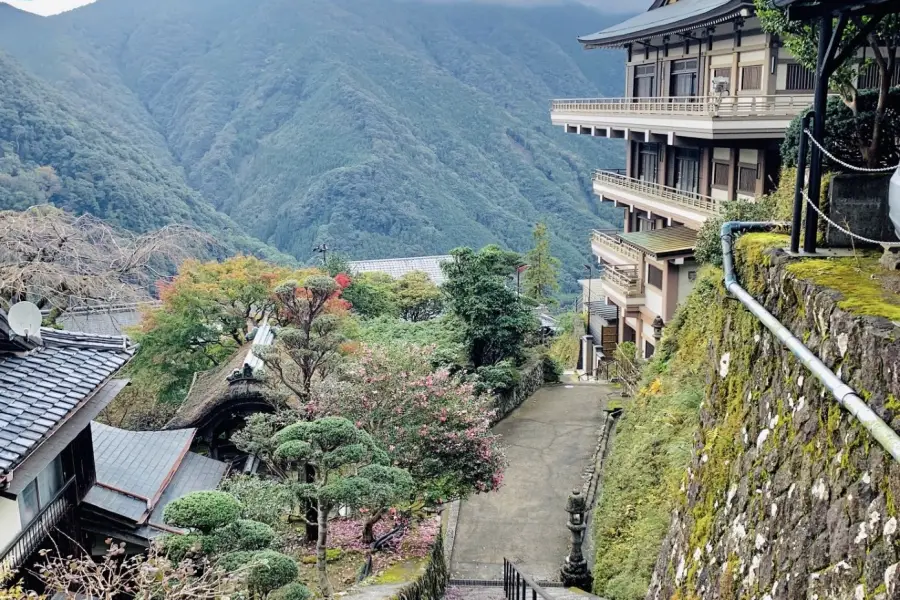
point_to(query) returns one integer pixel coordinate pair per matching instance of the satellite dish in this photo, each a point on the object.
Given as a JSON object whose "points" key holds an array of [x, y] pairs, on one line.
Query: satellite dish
{"points": [[25, 320]]}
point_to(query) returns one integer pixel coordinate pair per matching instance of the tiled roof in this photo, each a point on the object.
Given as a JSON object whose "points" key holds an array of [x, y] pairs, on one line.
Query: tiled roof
{"points": [[140, 472], [670, 18], [105, 320], [397, 267], [43, 388], [195, 474], [661, 243], [141, 463]]}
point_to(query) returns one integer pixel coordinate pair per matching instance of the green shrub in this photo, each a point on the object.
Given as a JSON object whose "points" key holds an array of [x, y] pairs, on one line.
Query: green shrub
{"points": [[708, 249], [177, 547], [264, 500], [244, 534], [291, 591], [552, 370], [499, 378], [204, 511], [267, 569]]}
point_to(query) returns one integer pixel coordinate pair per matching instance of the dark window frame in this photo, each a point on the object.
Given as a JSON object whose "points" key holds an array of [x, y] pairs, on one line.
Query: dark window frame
{"points": [[718, 167], [687, 168], [799, 79], [746, 168], [757, 70], [644, 74], [649, 152], [684, 74], [649, 349], [654, 277]]}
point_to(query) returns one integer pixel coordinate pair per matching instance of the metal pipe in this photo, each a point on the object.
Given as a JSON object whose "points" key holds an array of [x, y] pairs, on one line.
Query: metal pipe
{"points": [[844, 394]]}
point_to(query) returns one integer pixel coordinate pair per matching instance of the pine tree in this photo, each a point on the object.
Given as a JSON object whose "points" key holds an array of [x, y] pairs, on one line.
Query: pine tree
{"points": [[541, 276]]}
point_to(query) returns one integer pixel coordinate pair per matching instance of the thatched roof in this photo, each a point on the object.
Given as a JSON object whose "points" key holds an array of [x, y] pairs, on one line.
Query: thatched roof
{"points": [[225, 388]]}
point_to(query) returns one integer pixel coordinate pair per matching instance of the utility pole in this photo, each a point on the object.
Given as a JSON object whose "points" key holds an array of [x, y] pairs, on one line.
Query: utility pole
{"points": [[323, 250]]}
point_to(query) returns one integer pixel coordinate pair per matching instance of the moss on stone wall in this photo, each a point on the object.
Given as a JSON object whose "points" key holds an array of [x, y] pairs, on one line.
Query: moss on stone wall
{"points": [[644, 475], [786, 496], [766, 488]]}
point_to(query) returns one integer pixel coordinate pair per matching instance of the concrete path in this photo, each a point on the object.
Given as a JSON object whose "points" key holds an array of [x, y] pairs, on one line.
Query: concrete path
{"points": [[549, 440]]}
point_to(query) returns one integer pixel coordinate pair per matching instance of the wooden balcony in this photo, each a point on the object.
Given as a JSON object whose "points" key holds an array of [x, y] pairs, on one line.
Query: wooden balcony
{"points": [[684, 206], [607, 242], [57, 516], [626, 279], [707, 117]]}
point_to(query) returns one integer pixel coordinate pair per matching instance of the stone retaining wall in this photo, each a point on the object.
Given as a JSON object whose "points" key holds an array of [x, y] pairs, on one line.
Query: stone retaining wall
{"points": [[532, 380], [787, 497], [430, 583]]}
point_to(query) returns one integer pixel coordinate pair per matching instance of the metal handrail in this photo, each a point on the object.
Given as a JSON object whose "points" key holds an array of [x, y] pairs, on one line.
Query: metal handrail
{"points": [[613, 242], [664, 193], [691, 106], [516, 584], [30, 538], [625, 277]]}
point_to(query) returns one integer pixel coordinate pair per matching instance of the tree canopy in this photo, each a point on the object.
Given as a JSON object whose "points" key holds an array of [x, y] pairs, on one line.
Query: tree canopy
{"points": [[543, 269], [494, 324]]}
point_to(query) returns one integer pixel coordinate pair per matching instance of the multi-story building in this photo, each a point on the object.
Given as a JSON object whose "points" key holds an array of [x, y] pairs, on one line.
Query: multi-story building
{"points": [[708, 96]]}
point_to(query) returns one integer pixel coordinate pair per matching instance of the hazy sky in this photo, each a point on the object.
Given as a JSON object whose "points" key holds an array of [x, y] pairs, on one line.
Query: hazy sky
{"points": [[51, 7]]}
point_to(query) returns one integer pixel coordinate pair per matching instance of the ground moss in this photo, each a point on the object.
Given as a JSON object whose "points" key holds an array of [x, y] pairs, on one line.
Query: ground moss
{"points": [[401, 572], [858, 279]]}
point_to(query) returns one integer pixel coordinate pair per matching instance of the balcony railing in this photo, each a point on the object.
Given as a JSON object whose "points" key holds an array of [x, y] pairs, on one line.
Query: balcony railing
{"points": [[58, 514], [628, 278], [611, 241], [663, 193], [689, 106]]}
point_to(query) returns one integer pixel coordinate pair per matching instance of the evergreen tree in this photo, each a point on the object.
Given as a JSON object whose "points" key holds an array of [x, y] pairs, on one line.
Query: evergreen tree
{"points": [[541, 276]]}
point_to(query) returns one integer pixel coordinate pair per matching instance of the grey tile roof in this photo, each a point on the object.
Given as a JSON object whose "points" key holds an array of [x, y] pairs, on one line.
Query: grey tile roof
{"points": [[669, 18], [43, 388], [195, 474], [140, 472], [139, 462], [397, 267], [111, 320]]}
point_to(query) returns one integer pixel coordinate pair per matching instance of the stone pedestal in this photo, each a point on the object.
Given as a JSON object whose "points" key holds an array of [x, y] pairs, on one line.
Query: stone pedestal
{"points": [[575, 572]]}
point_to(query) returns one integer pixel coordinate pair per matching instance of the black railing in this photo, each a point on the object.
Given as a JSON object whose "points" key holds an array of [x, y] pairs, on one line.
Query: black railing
{"points": [[58, 514], [519, 586]]}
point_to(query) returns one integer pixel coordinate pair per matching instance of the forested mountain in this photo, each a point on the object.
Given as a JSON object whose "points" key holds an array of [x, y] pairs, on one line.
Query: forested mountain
{"points": [[386, 128]]}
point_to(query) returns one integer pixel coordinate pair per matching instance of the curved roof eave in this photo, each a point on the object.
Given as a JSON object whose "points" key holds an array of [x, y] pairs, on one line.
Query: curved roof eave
{"points": [[677, 20]]}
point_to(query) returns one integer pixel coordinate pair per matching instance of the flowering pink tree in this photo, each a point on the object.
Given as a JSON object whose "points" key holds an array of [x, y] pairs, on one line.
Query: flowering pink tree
{"points": [[432, 424]]}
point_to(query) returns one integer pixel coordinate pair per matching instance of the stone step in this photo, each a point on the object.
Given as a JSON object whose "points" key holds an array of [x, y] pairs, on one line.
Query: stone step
{"points": [[467, 592], [470, 592]]}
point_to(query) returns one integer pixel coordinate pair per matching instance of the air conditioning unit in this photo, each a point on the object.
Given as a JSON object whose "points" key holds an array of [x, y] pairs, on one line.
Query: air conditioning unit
{"points": [[720, 85]]}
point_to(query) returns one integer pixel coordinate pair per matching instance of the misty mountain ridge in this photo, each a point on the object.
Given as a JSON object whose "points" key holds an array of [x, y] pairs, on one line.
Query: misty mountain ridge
{"points": [[385, 128]]}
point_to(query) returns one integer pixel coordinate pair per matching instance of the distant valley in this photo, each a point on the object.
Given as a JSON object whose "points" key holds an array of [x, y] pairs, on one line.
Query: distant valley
{"points": [[383, 128]]}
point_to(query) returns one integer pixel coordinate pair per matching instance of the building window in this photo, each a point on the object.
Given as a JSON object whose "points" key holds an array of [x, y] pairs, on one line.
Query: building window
{"points": [[751, 77], [40, 492], [687, 170], [649, 349], [747, 179], [723, 73], [720, 175], [648, 162], [799, 78], [654, 277], [644, 81], [870, 78], [684, 77]]}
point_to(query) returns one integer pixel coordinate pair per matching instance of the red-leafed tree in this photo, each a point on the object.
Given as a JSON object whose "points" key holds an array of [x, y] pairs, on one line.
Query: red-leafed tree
{"points": [[432, 424], [308, 341]]}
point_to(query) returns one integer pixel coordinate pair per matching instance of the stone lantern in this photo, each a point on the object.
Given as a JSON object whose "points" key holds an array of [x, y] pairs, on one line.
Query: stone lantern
{"points": [[575, 571], [658, 325]]}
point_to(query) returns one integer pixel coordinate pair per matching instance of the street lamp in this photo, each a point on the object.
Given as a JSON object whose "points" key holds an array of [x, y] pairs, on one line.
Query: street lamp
{"points": [[520, 268], [590, 270], [323, 250]]}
